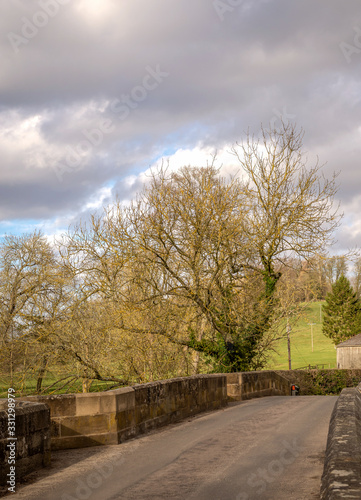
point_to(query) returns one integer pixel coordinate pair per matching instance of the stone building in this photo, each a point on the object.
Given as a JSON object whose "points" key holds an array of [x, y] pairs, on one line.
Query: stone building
{"points": [[349, 353]]}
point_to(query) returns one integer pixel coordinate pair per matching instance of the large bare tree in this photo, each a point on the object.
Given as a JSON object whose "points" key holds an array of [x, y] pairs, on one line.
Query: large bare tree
{"points": [[216, 247], [195, 270]]}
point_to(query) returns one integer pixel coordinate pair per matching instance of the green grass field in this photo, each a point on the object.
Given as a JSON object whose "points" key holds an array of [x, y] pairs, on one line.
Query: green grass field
{"points": [[324, 352], [29, 386]]}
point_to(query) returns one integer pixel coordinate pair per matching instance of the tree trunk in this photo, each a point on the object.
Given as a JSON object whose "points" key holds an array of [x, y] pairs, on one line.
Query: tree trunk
{"points": [[41, 374]]}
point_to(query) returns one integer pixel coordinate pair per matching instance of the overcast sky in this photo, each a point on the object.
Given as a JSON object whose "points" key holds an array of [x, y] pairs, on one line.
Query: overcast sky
{"points": [[94, 92]]}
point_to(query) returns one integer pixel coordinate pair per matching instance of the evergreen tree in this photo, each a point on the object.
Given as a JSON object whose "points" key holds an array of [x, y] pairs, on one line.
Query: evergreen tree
{"points": [[342, 312]]}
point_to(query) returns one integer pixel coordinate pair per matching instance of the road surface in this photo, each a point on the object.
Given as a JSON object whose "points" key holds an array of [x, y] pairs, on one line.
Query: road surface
{"points": [[270, 448]]}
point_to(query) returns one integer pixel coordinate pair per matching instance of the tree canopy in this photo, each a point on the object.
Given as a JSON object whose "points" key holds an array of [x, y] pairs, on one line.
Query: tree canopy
{"points": [[204, 254], [342, 312], [193, 275]]}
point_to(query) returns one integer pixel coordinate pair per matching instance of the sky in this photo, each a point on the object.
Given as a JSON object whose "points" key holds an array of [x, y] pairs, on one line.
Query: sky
{"points": [[94, 93]]}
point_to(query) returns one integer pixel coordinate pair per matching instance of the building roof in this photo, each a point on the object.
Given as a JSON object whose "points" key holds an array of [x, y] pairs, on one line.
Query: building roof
{"points": [[353, 341]]}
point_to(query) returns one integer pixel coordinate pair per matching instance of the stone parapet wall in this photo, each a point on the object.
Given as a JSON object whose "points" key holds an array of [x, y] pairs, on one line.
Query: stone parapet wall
{"points": [[80, 420], [248, 385], [341, 477], [31, 448]]}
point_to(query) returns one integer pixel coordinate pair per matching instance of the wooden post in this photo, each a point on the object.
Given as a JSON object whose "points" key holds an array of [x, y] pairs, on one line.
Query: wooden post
{"points": [[311, 324], [289, 345]]}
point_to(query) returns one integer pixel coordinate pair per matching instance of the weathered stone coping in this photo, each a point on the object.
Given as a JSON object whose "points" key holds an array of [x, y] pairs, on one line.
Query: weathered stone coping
{"points": [[341, 477]]}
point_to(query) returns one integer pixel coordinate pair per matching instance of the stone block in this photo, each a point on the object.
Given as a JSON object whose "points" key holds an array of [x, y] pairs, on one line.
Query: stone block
{"points": [[175, 416], [153, 410], [35, 444], [161, 408], [86, 425], [140, 395], [141, 413], [125, 419], [141, 428], [3, 425], [126, 434], [79, 441], [60, 405], [125, 398], [55, 427], [3, 451], [162, 420], [149, 425], [204, 396], [173, 403], [47, 456], [95, 403]]}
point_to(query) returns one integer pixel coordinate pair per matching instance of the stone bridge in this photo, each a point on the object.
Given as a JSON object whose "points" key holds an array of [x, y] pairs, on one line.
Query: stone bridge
{"points": [[112, 417]]}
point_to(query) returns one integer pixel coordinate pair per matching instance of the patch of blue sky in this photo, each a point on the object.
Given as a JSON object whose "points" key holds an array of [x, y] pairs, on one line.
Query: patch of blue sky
{"points": [[18, 227]]}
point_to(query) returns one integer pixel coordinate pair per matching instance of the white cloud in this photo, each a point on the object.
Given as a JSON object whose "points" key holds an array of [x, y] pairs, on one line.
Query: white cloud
{"points": [[224, 76], [98, 199]]}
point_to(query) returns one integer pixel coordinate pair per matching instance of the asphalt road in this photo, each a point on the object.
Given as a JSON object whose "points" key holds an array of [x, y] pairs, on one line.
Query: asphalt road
{"points": [[270, 449]]}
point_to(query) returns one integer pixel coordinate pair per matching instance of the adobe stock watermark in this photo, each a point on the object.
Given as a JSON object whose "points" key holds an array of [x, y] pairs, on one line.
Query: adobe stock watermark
{"points": [[349, 50], [84, 488], [260, 479], [223, 7], [280, 117], [30, 27], [75, 157], [279, 121], [12, 441]]}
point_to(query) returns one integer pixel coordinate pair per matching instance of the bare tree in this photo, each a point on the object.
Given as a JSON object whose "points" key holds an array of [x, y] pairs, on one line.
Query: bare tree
{"points": [[194, 271], [334, 268], [214, 242], [28, 271]]}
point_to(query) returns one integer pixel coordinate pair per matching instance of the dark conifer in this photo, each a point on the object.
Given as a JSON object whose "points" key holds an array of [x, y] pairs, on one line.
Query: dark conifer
{"points": [[342, 312]]}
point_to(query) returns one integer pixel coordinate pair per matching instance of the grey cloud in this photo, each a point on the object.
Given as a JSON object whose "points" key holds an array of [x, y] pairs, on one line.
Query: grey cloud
{"points": [[224, 76]]}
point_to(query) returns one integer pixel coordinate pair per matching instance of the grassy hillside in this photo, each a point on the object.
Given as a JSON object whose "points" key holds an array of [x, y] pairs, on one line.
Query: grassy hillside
{"points": [[324, 352]]}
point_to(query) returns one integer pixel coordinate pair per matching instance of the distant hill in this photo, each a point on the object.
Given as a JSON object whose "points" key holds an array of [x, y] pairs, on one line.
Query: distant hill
{"points": [[324, 352]]}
